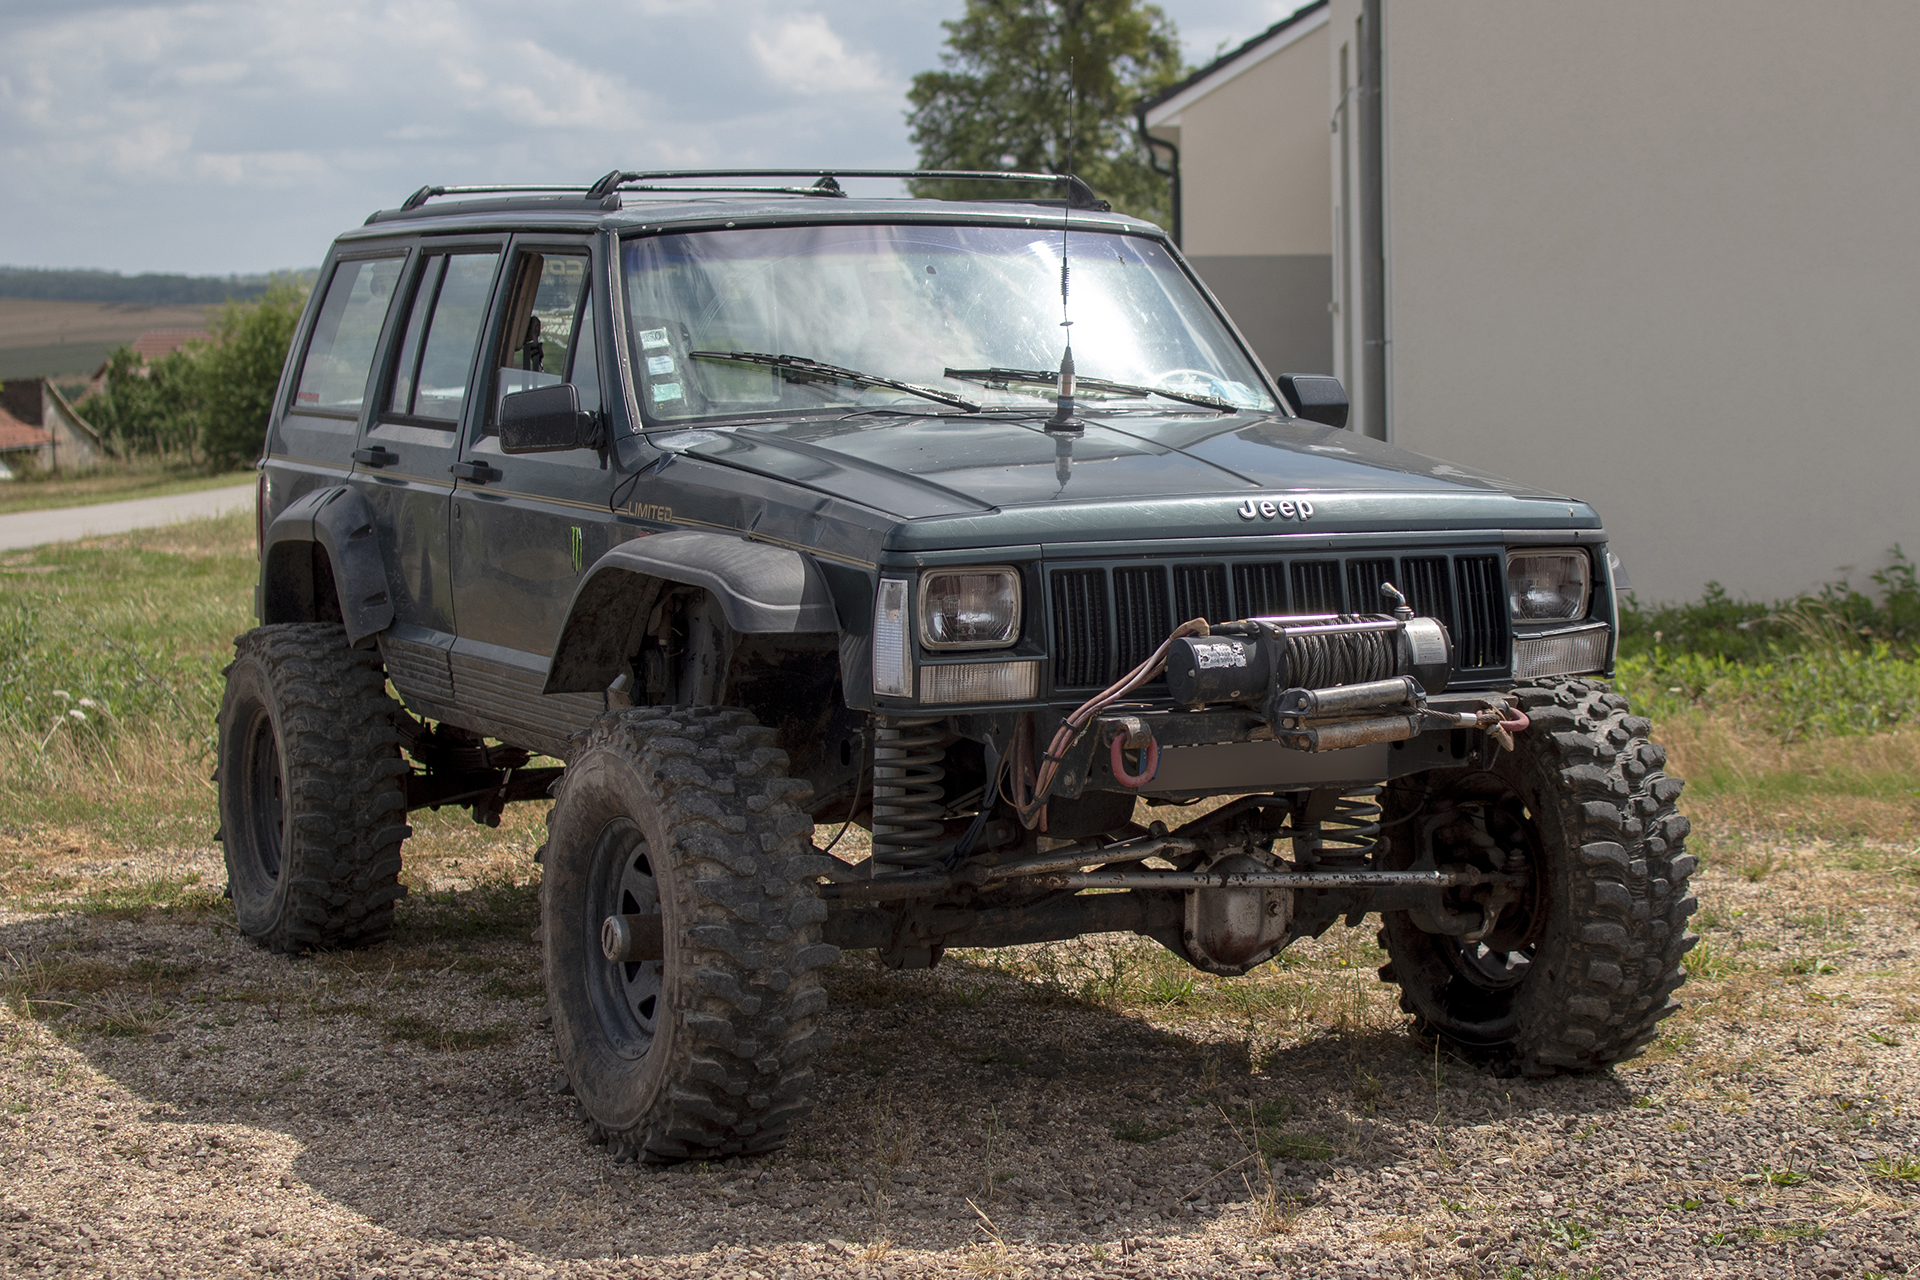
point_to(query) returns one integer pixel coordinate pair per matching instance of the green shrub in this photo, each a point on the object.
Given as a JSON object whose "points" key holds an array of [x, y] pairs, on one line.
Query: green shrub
{"points": [[208, 401], [240, 369], [1812, 693], [1751, 631]]}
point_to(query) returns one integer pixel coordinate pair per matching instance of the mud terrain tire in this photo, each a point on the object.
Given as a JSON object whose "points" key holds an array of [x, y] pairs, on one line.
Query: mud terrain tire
{"points": [[312, 809], [707, 1052], [1579, 973]]}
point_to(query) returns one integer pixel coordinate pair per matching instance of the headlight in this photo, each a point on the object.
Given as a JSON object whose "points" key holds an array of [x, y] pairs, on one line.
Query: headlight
{"points": [[969, 608], [1548, 586]]}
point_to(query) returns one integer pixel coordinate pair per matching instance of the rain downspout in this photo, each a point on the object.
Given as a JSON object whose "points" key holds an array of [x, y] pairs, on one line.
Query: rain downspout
{"points": [[1172, 174]]}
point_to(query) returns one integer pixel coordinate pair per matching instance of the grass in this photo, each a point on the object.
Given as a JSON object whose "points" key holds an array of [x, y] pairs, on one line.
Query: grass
{"points": [[110, 660], [147, 478]]}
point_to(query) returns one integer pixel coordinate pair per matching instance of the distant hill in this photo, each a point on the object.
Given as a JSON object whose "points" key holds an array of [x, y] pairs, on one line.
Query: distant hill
{"points": [[148, 289]]}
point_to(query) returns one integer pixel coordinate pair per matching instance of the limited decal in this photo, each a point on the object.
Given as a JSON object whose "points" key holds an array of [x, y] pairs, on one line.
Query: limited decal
{"points": [[650, 511], [1283, 509]]}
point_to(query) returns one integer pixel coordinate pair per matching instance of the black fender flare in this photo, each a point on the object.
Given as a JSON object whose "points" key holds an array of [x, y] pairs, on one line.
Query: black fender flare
{"points": [[761, 589], [341, 521]]}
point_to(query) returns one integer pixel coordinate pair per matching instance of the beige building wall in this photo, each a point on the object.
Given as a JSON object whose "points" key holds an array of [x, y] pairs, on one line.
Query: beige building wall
{"points": [[1254, 194], [1664, 257]]}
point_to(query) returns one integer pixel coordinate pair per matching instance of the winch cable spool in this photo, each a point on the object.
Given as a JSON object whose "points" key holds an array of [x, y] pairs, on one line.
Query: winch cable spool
{"points": [[1320, 660]]}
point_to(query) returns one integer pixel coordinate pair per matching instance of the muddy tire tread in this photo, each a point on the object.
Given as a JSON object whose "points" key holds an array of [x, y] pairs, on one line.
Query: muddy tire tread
{"points": [[1617, 960], [750, 1000], [347, 803]]}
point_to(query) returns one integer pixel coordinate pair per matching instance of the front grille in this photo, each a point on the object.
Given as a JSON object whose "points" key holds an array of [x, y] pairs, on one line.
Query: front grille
{"points": [[1261, 590], [1200, 591], [1141, 616], [1363, 585], [1080, 628], [1107, 620], [1480, 637], [1424, 579], [1316, 586]]}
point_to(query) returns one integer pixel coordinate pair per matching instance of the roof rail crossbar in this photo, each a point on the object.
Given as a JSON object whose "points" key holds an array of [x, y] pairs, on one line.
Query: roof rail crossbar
{"points": [[425, 194], [731, 190], [1079, 194]]}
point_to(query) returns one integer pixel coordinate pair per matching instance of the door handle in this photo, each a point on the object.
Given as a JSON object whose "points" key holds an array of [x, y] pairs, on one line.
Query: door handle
{"points": [[478, 472], [375, 456]]}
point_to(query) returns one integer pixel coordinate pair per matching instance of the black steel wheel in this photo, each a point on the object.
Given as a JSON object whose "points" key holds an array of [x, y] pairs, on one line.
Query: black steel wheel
{"points": [[1581, 962], [625, 995], [312, 810], [707, 1050]]}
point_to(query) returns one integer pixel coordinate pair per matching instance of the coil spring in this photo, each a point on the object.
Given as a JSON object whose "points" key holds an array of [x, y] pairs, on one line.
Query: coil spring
{"points": [[908, 797], [1321, 661], [1345, 839]]}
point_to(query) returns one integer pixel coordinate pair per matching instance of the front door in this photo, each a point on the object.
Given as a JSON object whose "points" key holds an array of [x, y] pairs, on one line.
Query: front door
{"points": [[403, 464], [527, 526]]}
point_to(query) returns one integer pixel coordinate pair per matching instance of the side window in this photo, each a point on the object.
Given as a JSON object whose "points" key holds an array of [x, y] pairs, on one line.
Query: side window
{"points": [[443, 331], [333, 372], [548, 335]]}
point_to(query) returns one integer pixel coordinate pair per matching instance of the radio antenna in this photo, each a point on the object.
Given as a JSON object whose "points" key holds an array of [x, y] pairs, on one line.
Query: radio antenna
{"points": [[1062, 419]]}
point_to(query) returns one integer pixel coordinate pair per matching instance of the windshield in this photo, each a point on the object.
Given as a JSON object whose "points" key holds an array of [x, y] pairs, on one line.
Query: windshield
{"points": [[915, 305]]}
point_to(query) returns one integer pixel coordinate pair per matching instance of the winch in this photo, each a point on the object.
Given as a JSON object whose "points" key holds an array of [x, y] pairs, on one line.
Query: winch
{"points": [[1320, 681]]}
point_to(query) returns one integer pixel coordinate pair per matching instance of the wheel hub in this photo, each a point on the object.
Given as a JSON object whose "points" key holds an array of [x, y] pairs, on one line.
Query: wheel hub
{"points": [[264, 794], [625, 993]]}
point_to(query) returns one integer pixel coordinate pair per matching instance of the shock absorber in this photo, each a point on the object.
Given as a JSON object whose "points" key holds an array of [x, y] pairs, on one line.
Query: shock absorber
{"points": [[1339, 832], [908, 797]]}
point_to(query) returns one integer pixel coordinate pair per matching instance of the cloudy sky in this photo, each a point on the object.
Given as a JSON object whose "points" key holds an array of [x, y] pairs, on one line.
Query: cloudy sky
{"points": [[216, 136]]}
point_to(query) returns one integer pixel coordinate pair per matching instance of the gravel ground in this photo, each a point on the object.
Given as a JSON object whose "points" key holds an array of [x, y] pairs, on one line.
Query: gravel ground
{"points": [[175, 1102]]}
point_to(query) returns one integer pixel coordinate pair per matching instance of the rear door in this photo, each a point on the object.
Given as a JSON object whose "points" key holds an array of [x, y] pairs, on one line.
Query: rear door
{"points": [[313, 442], [402, 465], [526, 526]]}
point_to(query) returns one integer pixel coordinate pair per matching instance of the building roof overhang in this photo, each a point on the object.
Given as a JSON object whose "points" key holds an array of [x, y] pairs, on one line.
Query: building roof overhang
{"points": [[1164, 108]]}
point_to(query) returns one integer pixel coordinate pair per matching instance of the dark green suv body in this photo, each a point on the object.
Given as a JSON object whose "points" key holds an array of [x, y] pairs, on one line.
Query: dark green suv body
{"points": [[766, 507]]}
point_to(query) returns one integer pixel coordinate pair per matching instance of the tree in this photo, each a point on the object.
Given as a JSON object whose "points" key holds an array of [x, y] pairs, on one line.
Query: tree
{"points": [[209, 401], [240, 371], [147, 408], [1001, 101]]}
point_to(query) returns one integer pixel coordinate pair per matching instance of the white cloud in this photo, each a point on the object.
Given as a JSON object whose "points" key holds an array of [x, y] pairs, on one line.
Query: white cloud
{"points": [[804, 54], [248, 133]]}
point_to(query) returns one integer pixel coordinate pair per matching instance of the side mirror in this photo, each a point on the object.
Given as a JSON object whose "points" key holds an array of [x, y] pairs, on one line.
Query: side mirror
{"points": [[546, 420], [1315, 397]]}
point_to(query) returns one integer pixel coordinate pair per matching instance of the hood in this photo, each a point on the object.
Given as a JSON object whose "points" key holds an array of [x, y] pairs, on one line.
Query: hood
{"points": [[1029, 481]]}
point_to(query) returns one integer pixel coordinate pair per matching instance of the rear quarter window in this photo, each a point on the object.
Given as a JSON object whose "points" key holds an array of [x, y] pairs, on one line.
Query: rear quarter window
{"points": [[339, 354]]}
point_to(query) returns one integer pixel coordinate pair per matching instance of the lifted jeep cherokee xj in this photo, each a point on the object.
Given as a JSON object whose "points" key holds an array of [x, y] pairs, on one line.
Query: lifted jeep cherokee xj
{"points": [[761, 507]]}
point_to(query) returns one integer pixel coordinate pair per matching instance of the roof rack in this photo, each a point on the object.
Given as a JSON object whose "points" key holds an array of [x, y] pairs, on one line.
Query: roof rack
{"points": [[425, 194], [1079, 194]]}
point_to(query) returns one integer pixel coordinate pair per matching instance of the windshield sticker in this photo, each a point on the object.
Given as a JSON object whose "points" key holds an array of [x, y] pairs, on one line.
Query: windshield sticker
{"points": [[651, 338], [657, 365], [665, 391]]}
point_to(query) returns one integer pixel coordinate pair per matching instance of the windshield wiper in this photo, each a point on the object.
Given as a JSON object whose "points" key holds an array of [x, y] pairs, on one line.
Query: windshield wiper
{"points": [[801, 369], [1050, 377]]}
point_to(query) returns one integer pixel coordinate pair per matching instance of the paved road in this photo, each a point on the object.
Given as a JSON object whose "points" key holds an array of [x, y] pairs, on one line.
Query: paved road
{"points": [[32, 528]]}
